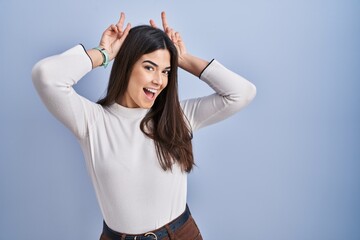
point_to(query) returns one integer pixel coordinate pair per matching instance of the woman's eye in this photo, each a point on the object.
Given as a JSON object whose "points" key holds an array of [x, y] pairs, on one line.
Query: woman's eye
{"points": [[150, 68], [166, 72]]}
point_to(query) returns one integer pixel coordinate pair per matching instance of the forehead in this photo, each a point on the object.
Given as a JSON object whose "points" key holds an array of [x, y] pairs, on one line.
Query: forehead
{"points": [[160, 57]]}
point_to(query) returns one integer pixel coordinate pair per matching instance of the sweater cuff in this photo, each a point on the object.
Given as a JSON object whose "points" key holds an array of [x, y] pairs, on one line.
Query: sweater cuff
{"points": [[92, 64], [79, 61], [206, 68]]}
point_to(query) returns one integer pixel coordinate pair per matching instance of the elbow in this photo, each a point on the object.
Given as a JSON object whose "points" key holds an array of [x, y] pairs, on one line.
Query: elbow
{"points": [[40, 73], [243, 97], [251, 92], [37, 73], [247, 96]]}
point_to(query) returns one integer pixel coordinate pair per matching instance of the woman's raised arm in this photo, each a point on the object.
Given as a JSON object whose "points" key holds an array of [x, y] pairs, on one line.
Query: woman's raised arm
{"points": [[233, 92], [55, 76]]}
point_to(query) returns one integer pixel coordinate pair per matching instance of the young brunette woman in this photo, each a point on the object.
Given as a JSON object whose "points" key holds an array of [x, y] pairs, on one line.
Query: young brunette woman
{"points": [[137, 139]]}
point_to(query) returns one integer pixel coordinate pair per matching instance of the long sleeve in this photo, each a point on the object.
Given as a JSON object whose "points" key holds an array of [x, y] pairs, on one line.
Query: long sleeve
{"points": [[232, 93], [54, 78]]}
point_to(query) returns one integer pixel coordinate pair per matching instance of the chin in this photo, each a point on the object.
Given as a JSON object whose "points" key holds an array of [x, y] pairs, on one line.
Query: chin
{"points": [[146, 106]]}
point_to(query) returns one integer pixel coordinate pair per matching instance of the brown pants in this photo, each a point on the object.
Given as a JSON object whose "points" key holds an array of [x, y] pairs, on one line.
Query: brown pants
{"points": [[188, 231]]}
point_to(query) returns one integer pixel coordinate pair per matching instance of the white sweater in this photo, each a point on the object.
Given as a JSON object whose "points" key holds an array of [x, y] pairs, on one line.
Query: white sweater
{"points": [[134, 193]]}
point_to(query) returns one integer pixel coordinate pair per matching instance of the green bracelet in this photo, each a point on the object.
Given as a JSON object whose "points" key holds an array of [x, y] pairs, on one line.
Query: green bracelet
{"points": [[105, 56]]}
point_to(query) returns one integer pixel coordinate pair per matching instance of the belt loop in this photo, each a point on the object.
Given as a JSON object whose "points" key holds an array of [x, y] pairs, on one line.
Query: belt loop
{"points": [[171, 234]]}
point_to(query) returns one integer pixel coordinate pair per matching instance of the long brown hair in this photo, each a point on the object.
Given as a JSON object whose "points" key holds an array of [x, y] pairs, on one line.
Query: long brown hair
{"points": [[165, 122]]}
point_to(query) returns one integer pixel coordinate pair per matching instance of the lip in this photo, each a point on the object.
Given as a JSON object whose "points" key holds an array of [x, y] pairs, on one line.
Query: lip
{"points": [[150, 93], [152, 90]]}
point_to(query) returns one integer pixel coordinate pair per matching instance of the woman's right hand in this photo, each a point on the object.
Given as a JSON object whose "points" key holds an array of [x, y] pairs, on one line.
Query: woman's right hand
{"points": [[114, 36], [111, 40]]}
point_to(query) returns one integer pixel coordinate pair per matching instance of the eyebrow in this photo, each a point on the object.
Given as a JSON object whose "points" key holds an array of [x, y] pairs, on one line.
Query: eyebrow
{"points": [[154, 64]]}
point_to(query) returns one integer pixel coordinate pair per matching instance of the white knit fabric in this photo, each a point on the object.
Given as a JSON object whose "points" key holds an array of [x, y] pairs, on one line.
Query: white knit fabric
{"points": [[134, 193]]}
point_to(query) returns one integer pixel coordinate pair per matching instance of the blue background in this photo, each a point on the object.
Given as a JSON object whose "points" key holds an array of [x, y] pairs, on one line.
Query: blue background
{"points": [[286, 167]]}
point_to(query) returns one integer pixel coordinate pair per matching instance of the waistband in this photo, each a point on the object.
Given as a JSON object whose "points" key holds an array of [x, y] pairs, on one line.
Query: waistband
{"points": [[157, 234]]}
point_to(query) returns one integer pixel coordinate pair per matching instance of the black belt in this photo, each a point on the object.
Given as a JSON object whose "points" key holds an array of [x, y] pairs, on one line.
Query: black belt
{"points": [[155, 235]]}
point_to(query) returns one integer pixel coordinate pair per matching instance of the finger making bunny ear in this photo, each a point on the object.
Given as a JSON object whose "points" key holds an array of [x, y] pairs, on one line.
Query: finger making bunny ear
{"points": [[172, 34], [163, 20]]}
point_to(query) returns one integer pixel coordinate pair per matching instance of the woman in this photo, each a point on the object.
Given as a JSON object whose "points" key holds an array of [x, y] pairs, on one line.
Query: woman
{"points": [[137, 139]]}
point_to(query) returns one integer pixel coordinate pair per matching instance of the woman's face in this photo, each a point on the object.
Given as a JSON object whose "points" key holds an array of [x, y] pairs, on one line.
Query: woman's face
{"points": [[148, 78]]}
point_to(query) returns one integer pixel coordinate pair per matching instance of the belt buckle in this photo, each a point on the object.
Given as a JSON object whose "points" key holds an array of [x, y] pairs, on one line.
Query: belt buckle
{"points": [[151, 234]]}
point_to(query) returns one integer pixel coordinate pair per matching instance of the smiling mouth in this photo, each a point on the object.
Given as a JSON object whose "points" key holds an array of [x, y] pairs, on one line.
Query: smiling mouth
{"points": [[150, 93]]}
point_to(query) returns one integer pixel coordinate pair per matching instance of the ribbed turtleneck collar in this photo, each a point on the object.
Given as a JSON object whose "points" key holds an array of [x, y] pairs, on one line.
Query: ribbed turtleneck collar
{"points": [[128, 112]]}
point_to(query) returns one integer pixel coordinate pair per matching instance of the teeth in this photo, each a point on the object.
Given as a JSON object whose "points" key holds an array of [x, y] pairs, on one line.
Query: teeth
{"points": [[151, 90]]}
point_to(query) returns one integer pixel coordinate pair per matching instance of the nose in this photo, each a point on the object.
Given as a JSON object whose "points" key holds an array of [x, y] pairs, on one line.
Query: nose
{"points": [[158, 78]]}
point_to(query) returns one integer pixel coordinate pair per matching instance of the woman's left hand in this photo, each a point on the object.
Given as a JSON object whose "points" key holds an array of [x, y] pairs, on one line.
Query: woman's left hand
{"points": [[188, 62], [174, 36]]}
